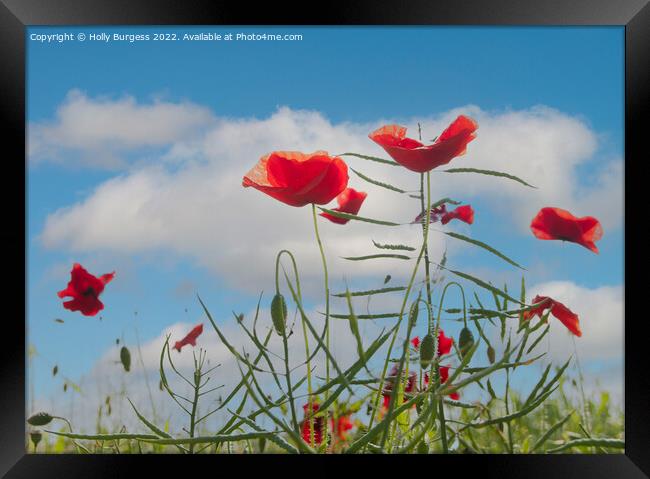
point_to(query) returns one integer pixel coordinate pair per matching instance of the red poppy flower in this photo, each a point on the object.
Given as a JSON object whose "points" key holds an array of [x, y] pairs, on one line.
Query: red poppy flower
{"points": [[84, 288], [416, 342], [558, 310], [464, 213], [349, 201], [558, 224], [318, 425], [415, 156], [340, 427], [190, 338], [298, 179]]}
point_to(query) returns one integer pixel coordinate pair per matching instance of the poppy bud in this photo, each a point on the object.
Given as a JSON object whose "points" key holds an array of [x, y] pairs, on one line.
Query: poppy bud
{"points": [[40, 419], [279, 313], [262, 444], [491, 354], [465, 341], [125, 357], [413, 314], [36, 437], [427, 348]]}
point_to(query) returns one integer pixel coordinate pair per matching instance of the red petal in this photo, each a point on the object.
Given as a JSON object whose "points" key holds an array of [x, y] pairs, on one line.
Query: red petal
{"points": [[566, 317], [350, 201], [298, 179], [464, 213], [416, 157], [558, 224]]}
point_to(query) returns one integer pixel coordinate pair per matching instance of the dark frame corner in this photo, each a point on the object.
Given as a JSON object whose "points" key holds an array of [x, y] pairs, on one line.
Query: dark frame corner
{"points": [[16, 15]]}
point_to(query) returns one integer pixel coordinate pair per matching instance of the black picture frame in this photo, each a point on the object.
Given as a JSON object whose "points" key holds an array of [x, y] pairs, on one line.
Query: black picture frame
{"points": [[16, 15]]}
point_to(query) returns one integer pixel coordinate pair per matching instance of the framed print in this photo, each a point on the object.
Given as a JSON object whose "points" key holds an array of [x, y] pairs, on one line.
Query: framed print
{"points": [[381, 231]]}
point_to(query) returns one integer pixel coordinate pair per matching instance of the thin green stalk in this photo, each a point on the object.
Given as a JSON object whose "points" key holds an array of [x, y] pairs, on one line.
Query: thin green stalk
{"points": [[401, 316], [327, 319], [434, 366], [195, 402], [292, 405], [305, 337]]}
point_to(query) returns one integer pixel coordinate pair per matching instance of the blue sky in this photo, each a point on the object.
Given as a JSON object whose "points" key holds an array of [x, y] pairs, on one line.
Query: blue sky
{"points": [[349, 79]]}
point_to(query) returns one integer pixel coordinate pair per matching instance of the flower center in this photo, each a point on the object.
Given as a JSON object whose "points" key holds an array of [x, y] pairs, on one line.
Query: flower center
{"points": [[90, 292]]}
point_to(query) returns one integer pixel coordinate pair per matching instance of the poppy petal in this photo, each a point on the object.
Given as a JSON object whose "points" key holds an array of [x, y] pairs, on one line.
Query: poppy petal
{"points": [[557, 224], [414, 156], [350, 201], [463, 213]]}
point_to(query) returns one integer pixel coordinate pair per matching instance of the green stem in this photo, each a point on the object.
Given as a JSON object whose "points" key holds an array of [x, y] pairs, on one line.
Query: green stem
{"points": [[327, 319], [435, 364], [427, 263], [195, 402], [286, 352], [292, 405], [391, 404]]}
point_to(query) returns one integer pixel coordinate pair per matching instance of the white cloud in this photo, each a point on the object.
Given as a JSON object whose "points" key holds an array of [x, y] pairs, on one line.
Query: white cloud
{"points": [[96, 131], [198, 208]]}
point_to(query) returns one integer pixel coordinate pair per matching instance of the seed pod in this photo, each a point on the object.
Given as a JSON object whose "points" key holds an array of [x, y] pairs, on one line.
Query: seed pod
{"points": [[125, 357], [40, 419], [491, 354], [465, 341], [279, 314], [427, 348], [36, 437], [413, 314]]}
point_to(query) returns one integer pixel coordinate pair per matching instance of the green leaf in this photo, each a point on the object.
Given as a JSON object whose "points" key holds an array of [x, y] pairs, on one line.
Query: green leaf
{"points": [[378, 183], [371, 292], [484, 285], [489, 173], [539, 338], [354, 327], [105, 437], [590, 442], [365, 316], [376, 256], [540, 442], [348, 216], [371, 158], [443, 201], [401, 247], [484, 246]]}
